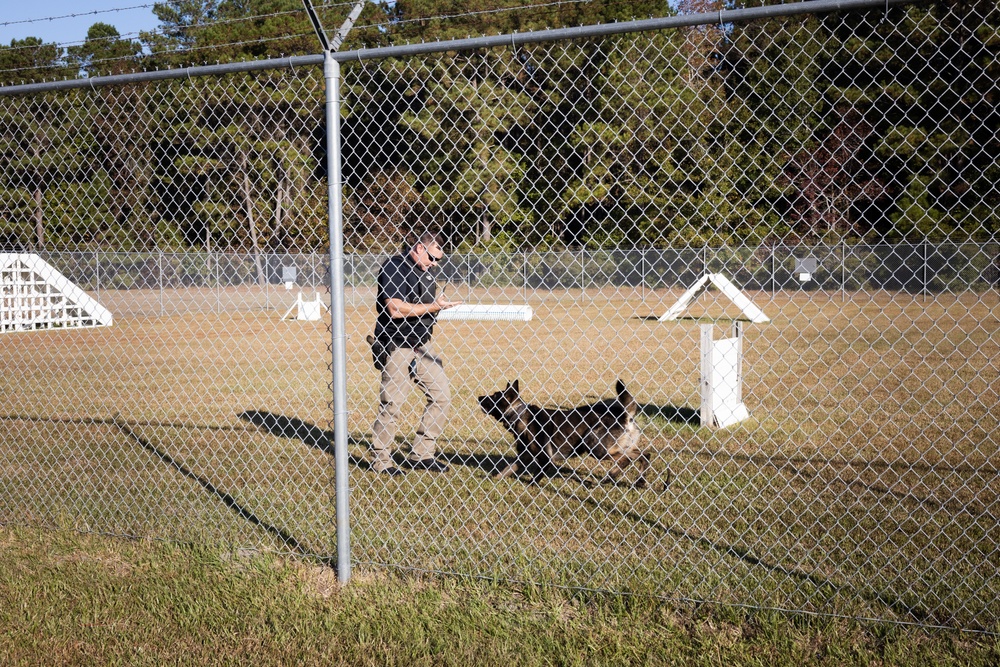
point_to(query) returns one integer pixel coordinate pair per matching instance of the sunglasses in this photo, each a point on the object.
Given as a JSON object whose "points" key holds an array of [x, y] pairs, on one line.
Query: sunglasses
{"points": [[432, 257]]}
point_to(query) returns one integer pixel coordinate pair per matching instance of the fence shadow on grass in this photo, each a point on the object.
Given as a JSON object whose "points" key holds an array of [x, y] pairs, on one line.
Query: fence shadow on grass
{"points": [[891, 601], [806, 468], [228, 500]]}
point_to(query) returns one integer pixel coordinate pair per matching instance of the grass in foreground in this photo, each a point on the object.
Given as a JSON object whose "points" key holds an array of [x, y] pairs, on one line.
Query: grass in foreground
{"points": [[67, 598]]}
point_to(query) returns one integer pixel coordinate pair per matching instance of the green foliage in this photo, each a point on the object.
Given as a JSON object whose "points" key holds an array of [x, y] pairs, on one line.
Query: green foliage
{"points": [[104, 52], [30, 60], [847, 126]]}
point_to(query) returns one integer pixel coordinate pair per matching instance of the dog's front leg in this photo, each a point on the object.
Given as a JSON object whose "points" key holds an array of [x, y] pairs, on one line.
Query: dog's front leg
{"points": [[511, 469]]}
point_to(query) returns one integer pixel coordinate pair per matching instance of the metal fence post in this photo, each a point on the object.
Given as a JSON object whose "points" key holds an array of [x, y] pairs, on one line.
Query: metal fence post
{"points": [[642, 272], [160, 277], [218, 286], [331, 72], [925, 291], [843, 271]]}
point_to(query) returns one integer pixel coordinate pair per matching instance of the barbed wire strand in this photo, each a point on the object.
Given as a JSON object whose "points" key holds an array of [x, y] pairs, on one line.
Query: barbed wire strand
{"points": [[263, 40], [77, 15], [159, 31]]}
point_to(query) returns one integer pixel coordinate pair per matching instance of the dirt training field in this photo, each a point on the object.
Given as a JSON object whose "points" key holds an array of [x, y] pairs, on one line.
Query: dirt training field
{"points": [[865, 482]]}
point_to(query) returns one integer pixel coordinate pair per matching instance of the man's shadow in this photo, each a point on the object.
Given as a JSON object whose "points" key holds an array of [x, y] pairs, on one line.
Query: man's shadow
{"points": [[296, 429]]}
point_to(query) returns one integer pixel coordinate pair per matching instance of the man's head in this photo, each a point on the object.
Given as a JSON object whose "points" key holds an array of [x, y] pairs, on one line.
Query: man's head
{"points": [[426, 251]]}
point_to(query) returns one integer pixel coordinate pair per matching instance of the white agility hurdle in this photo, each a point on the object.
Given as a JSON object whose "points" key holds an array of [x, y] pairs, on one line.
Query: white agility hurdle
{"points": [[34, 295], [309, 311], [721, 360]]}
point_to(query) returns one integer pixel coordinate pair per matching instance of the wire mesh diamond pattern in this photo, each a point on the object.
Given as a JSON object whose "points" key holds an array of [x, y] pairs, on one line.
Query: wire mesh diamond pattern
{"points": [[837, 456]]}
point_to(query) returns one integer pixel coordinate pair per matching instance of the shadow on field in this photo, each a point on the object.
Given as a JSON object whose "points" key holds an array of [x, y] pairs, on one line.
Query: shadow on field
{"points": [[671, 413], [809, 469], [893, 602], [228, 500], [296, 429], [493, 464]]}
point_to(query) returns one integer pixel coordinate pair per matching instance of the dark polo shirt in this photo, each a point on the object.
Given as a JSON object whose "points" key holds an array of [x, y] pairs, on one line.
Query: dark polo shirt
{"points": [[401, 278]]}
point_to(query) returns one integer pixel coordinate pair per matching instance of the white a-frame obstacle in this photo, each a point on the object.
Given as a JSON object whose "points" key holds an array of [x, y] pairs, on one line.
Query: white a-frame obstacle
{"points": [[34, 295], [724, 285], [721, 360]]}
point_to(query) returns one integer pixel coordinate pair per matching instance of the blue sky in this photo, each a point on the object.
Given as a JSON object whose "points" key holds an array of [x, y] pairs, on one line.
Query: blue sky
{"points": [[72, 29]]}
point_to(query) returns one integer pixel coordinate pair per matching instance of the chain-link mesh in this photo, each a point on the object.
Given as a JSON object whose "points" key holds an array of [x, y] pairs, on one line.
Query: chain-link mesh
{"points": [[839, 171], [198, 414]]}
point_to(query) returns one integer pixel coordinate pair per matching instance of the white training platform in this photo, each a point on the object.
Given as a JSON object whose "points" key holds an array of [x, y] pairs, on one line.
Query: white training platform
{"points": [[487, 312], [34, 295]]}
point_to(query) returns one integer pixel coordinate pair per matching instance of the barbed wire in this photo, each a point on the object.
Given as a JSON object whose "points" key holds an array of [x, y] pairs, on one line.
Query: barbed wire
{"points": [[159, 31], [138, 58], [261, 40], [77, 15], [498, 10]]}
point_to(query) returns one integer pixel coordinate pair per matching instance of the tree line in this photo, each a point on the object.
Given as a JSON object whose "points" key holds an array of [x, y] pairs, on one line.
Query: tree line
{"points": [[855, 127]]}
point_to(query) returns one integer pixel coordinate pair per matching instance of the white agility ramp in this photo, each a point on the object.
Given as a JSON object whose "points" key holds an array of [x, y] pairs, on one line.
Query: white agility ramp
{"points": [[34, 295], [724, 285], [494, 312]]}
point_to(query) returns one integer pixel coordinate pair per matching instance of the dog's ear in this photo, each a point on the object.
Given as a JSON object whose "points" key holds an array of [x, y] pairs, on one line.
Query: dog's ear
{"points": [[625, 398], [514, 385]]}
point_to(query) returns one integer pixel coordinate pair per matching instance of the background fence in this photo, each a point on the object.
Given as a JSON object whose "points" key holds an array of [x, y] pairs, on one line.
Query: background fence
{"points": [[595, 180]]}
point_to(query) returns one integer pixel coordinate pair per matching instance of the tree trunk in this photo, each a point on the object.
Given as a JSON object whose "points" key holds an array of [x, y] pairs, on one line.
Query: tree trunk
{"points": [[485, 231], [39, 220], [251, 224]]}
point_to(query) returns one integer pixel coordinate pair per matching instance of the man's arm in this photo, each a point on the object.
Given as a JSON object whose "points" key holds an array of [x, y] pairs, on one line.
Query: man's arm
{"points": [[397, 308]]}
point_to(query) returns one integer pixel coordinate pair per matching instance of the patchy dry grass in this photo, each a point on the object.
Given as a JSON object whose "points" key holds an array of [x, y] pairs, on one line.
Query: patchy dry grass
{"points": [[866, 482], [77, 599]]}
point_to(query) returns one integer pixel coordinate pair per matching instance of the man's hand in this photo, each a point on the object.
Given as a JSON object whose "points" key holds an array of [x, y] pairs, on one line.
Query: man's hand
{"points": [[443, 303]]}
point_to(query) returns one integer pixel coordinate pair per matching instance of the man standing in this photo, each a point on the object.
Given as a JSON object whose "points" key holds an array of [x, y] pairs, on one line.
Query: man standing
{"points": [[407, 305]]}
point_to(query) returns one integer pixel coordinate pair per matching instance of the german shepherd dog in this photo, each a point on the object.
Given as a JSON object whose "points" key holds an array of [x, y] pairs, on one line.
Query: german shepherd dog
{"points": [[546, 437]]}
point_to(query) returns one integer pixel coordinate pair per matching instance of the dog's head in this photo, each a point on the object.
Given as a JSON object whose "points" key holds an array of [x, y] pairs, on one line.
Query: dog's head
{"points": [[506, 407], [499, 403]]}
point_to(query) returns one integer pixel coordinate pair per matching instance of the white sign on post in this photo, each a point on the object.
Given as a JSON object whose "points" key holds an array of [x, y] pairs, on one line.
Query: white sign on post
{"points": [[722, 378]]}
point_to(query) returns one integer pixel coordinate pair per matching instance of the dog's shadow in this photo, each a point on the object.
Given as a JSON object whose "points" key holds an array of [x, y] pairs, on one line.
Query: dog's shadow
{"points": [[313, 436], [671, 413]]}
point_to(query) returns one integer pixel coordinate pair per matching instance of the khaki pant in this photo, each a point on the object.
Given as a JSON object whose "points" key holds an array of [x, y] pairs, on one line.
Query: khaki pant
{"points": [[426, 370]]}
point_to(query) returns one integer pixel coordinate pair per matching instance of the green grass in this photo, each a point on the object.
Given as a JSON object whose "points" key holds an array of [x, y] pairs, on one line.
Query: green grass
{"points": [[864, 485], [67, 598]]}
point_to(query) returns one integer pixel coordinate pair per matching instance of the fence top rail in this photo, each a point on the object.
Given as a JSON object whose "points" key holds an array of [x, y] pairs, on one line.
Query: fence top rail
{"points": [[723, 16]]}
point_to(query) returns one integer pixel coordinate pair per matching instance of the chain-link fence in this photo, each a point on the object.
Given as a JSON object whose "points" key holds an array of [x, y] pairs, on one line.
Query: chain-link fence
{"points": [[836, 171]]}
